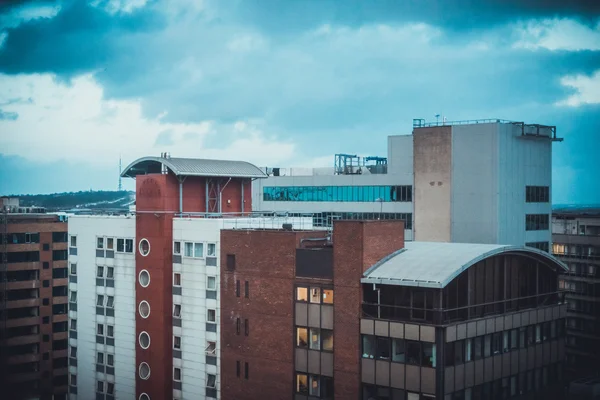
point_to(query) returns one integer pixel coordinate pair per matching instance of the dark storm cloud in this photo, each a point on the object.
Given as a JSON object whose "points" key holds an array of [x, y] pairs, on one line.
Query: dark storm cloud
{"points": [[7, 5], [79, 39]]}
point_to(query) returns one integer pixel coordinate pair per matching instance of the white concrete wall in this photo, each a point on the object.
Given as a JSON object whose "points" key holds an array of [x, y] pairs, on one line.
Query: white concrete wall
{"points": [[87, 229], [523, 161], [400, 155], [474, 195]]}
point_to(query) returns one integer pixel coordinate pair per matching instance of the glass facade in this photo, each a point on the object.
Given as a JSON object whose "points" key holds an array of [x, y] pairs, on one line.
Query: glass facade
{"points": [[338, 193]]}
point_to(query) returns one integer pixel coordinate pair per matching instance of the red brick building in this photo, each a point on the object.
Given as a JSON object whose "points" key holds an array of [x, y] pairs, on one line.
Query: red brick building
{"points": [[357, 313], [33, 313]]}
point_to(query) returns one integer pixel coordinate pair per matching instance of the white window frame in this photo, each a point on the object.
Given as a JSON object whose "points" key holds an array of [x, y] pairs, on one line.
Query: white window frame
{"points": [[174, 337], [71, 269], [174, 251], [175, 379], [100, 245], [214, 252], [107, 269], [98, 357], [73, 324], [132, 246], [208, 315], [73, 296], [175, 274], [113, 243], [207, 280], [214, 380], [108, 334], [98, 383], [98, 326], [175, 306], [108, 298], [100, 300], [71, 237], [117, 246], [108, 357], [207, 350], [99, 271]]}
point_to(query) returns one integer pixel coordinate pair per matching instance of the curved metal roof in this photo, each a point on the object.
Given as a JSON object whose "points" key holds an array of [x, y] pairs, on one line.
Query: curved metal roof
{"points": [[435, 265], [193, 167]]}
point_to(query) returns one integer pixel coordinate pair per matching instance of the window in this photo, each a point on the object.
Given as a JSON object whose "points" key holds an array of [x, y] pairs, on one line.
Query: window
{"points": [[537, 222], [246, 371], [211, 348], [110, 388], [73, 269], [211, 315], [230, 262], [478, 348], [120, 245], [110, 360], [176, 374], [246, 290], [497, 343], [315, 339], [326, 340], [383, 348], [189, 249], [100, 387], [73, 241], [302, 337], [211, 381], [177, 342], [413, 352], [398, 352], [315, 295], [237, 326], [237, 368], [177, 248], [211, 282], [73, 380], [211, 250], [73, 298], [428, 356], [176, 279], [368, 346], [100, 358], [301, 294], [514, 339], [459, 352], [468, 349], [110, 301], [73, 324], [100, 300], [128, 245], [302, 383], [110, 243], [110, 331], [246, 327], [198, 250], [544, 246], [100, 329], [505, 341], [338, 193], [110, 272], [100, 243], [59, 237], [313, 385], [177, 310], [523, 337], [537, 194], [100, 272], [237, 288], [73, 352], [328, 296]]}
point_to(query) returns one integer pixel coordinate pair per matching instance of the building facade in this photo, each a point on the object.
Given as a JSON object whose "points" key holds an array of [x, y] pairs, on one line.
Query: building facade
{"points": [[145, 310], [33, 298], [485, 181], [360, 314], [576, 241]]}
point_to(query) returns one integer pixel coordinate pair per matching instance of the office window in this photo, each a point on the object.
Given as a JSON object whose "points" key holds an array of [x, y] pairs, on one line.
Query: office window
{"points": [[100, 358], [177, 310], [211, 282], [73, 269], [368, 346], [110, 301], [110, 243], [428, 355], [544, 246], [73, 297], [302, 337], [110, 331], [211, 250], [100, 243], [328, 296], [198, 250], [315, 339], [326, 340], [338, 193], [110, 388], [176, 247], [100, 329], [110, 360], [100, 387], [537, 194], [177, 342], [315, 295], [73, 352], [99, 272], [176, 279], [211, 348], [176, 374], [478, 348], [413, 352], [73, 324], [73, 241], [188, 249], [383, 348], [110, 272], [128, 245], [514, 339], [211, 381], [302, 384], [100, 300], [301, 294], [537, 222], [211, 315], [120, 245]]}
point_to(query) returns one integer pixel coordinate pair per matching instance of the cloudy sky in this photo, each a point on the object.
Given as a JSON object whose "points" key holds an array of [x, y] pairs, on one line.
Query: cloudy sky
{"points": [[284, 82]]}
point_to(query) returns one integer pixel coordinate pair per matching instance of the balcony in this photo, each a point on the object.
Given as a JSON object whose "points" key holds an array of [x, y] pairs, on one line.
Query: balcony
{"points": [[60, 353], [23, 358], [23, 266], [32, 320], [23, 303], [60, 318], [60, 282], [16, 285], [60, 300], [13, 248], [60, 246], [24, 339], [60, 336]]}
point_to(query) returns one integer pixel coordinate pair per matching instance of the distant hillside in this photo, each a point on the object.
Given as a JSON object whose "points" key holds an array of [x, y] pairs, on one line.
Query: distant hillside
{"points": [[82, 200]]}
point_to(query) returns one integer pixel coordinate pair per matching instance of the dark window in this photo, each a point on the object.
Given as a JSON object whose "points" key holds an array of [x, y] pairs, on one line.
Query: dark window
{"points": [[413, 352], [428, 356], [398, 350], [497, 343], [338, 193], [537, 222], [46, 356], [45, 320], [246, 370], [59, 237], [478, 348], [22, 256], [514, 339], [246, 327], [449, 356], [544, 246], [46, 283], [368, 346], [46, 338], [46, 265], [237, 369], [459, 352], [537, 194], [231, 262], [60, 255], [383, 348], [45, 301], [237, 288], [46, 246], [246, 290]]}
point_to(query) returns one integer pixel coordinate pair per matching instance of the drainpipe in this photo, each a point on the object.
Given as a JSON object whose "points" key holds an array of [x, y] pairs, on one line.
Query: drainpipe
{"points": [[378, 300]]}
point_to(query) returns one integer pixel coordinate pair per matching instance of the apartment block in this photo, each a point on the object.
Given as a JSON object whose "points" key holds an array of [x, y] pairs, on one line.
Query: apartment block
{"points": [[576, 241], [33, 296], [358, 313], [481, 181]]}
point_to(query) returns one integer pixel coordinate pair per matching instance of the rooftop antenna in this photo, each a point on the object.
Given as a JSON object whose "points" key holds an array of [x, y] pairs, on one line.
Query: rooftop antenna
{"points": [[437, 119], [120, 170]]}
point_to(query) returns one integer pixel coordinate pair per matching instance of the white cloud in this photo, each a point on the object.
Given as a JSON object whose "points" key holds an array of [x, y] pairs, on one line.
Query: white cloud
{"points": [[119, 6], [587, 89], [557, 34], [74, 122], [25, 13]]}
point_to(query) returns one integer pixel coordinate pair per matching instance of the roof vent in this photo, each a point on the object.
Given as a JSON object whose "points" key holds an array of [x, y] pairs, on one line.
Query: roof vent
{"points": [[287, 227]]}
